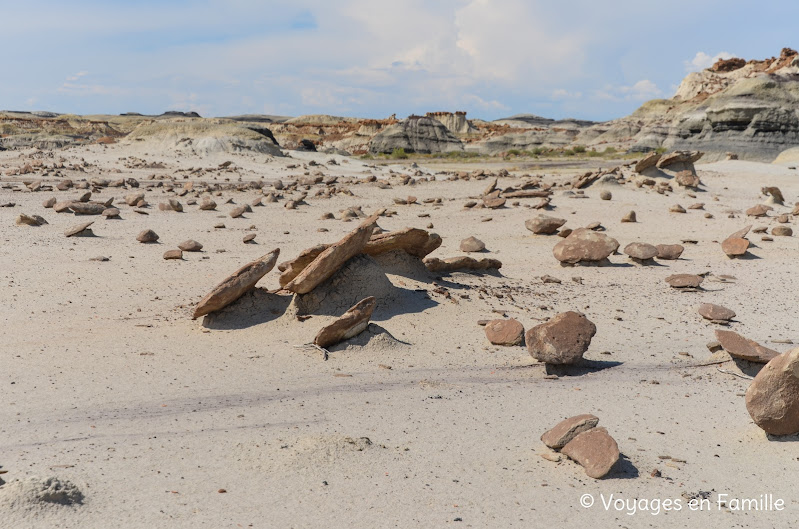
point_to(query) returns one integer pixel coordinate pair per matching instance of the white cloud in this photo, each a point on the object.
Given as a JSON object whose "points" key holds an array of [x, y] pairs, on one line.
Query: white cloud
{"points": [[702, 61], [643, 90], [562, 93]]}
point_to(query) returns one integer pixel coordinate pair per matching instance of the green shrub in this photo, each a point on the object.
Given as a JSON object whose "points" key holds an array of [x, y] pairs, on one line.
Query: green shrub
{"points": [[568, 152], [660, 150], [610, 150], [578, 149], [399, 154]]}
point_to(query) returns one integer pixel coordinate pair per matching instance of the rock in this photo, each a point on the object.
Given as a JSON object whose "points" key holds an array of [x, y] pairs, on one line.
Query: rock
{"points": [[49, 203], [190, 246], [740, 234], [413, 241], [87, 208], [562, 340], [629, 217], [585, 245], [248, 238], [679, 157], [493, 202], [568, 429], [111, 213], [775, 194], [207, 205], [744, 348], [548, 279], [175, 205], [640, 251], [544, 225], [238, 211], [133, 198], [29, 220], [760, 210], [669, 252], [332, 258], [472, 244], [62, 207], [350, 324], [687, 179], [772, 399], [80, 229], [783, 219], [595, 450], [781, 231], [605, 195], [684, 281], [710, 311], [292, 269], [173, 254], [422, 135], [650, 160], [504, 332], [147, 236], [676, 208], [236, 285], [463, 263], [734, 247]]}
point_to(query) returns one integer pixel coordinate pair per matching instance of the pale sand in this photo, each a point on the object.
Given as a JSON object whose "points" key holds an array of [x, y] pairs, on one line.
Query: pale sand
{"points": [[108, 383]]}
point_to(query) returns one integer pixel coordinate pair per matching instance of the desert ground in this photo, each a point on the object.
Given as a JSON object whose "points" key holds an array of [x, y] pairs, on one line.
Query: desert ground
{"points": [[141, 416]]}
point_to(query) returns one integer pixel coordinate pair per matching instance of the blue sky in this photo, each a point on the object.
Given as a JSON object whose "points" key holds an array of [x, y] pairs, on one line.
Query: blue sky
{"points": [[372, 58]]}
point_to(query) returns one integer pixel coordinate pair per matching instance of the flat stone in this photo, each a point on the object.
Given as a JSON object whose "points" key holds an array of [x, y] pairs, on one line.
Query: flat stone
{"points": [[173, 254], [772, 399], [349, 325], [684, 280], [744, 348], [585, 245], [236, 285], [87, 208], [676, 208], [595, 450], [734, 247], [413, 241], [248, 238], [562, 340], [238, 212], [709, 311], [544, 224], [740, 234], [650, 160], [504, 332], [493, 202], [79, 229], [760, 210], [568, 429]]}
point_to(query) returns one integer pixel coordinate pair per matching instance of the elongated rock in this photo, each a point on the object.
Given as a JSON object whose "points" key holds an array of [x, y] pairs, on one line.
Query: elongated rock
{"points": [[744, 348], [461, 263], [236, 285], [87, 208], [331, 259], [349, 325], [568, 429], [772, 399], [414, 241], [709, 311], [80, 229]]}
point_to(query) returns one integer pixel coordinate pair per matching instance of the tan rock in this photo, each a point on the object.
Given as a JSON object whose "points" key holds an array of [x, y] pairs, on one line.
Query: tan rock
{"points": [[238, 211], [505, 332], [349, 325], [687, 179], [413, 241], [605, 195], [781, 231], [669, 251], [650, 160], [684, 281], [462, 263], [568, 429], [236, 285], [685, 157], [629, 217], [472, 244], [80, 229], [173, 254], [585, 245], [709, 311], [744, 348], [776, 194], [292, 269], [544, 224], [676, 208], [562, 340], [760, 210], [147, 236], [62, 207], [595, 450], [641, 251], [493, 202], [248, 238], [49, 203], [29, 220], [207, 205], [133, 198], [111, 213], [734, 247], [772, 399], [190, 246], [87, 208], [331, 259]]}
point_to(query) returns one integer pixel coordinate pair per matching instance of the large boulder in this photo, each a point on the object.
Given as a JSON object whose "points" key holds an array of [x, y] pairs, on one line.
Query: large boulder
{"points": [[562, 340], [585, 245], [773, 397], [415, 134], [595, 450]]}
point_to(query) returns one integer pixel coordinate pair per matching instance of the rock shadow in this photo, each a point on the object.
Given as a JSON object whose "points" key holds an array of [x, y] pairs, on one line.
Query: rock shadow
{"points": [[584, 367], [747, 367], [253, 308], [623, 469]]}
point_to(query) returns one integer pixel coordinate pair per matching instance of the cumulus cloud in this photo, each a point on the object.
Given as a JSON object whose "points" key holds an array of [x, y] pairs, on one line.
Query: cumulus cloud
{"points": [[643, 90], [702, 61]]}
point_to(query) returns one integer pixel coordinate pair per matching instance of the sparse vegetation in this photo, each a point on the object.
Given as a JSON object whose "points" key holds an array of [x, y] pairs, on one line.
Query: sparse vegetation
{"points": [[399, 154]]}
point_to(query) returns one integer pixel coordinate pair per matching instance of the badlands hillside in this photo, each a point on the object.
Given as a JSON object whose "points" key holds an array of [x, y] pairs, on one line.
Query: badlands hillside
{"points": [[748, 108]]}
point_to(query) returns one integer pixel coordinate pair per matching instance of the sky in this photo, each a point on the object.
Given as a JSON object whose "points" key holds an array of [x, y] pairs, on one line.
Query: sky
{"points": [[592, 59]]}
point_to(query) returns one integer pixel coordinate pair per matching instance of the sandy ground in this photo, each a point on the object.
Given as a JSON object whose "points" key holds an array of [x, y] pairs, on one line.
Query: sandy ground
{"points": [[109, 384]]}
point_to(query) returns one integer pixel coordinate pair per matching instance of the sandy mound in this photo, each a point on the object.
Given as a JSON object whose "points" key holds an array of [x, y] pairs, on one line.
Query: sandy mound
{"points": [[374, 339], [34, 493], [201, 136]]}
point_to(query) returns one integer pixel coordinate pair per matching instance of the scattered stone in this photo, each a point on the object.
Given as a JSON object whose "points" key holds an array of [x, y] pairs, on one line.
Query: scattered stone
{"points": [[349, 325], [641, 251], [629, 217], [595, 450], [605, 195], [669, 252], [544, 225], [238, 212], [207, 205], [30, 220], [80, 230], [493, 202], [190, 246], [740, 234], [87, 208], [568, 429], [676, 208], [504, 332], [772, 399], [173, 254], [236, 285], [457, 264], [585, 245], [551, 280], [781, 231], [62, 207], [684, 281], [687, 179], [111, 213], [562, 340], [744, 348], [472, 244], [760, 210], [776, 194], [49, 203], [147, 236], [650, 160], [248, 238], [412, 241], [734, 247], [713, 312]]}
